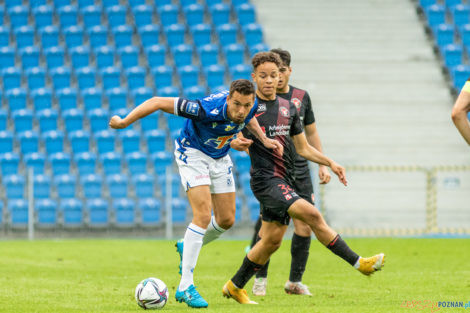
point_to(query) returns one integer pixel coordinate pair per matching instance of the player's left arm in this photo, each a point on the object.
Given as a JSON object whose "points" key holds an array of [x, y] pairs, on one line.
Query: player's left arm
{"points": [[313, 138], [460, 111], [255, 129]]}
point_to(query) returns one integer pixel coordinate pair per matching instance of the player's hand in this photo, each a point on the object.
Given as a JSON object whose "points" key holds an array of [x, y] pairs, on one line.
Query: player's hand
{"points": [[275, 145], [324, 174], [340, 172], [117, 122], [241, 143]]}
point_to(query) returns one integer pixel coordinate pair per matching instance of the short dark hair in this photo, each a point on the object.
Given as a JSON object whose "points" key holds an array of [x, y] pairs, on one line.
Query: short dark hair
{"points": [[263, 57], [242, 86], [283, 54]]}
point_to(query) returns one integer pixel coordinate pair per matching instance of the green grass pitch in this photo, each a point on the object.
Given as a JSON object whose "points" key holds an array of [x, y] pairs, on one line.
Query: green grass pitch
{"points": [[100, 276]]}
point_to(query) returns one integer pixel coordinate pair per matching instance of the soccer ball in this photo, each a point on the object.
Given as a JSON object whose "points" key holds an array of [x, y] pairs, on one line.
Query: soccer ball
{"points": [[151, 293]]}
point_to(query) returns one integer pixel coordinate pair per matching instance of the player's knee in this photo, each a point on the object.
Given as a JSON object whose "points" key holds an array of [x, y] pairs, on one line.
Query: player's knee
{"points": [[226, 222], [313, 216], [273, 243], [202, 219]]}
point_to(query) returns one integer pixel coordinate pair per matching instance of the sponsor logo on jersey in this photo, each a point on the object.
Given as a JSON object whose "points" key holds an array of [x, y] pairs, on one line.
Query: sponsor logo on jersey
{"points": [[229, 128], [278, 130], [214, 125], [219, 142], [259, 114], [284, 111], [296, 102], [215, 111], [261, 108], [202, 176], [192, 108]]}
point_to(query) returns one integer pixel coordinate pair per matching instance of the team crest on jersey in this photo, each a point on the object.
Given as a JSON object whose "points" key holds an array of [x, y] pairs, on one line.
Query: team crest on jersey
{"points": [[261, 108], [229, 128], [284, 111], [296, 102], [192, 108], [288, 197], [214, 125]]}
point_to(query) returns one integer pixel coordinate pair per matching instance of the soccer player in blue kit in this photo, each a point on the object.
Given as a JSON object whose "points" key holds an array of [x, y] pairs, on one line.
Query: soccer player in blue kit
{"points": [[204, 165]]}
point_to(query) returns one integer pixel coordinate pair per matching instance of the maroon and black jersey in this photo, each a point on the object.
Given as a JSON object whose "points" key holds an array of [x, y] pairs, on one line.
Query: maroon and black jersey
{"points": [[280, 120], [301, 100]]}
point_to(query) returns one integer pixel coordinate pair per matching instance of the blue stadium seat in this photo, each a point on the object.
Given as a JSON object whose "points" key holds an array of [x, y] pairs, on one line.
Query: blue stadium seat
{"points": [[79, 141], [18, 209], [208, 55], [29, 57], [11, 77], [124, 210], [72, 210], [36, 77], [194, 92], [182, 55], [122, 36], [185, 3], [156, 140], [16, 99], [41, 98], [253, 207], [14, 186], [49, 36], [7, 57], [261, 47], [253, 34], [459, 75], [86, 163], [117, 98], [150, 122], [461, 14], [111, 162], [163, 76], [176, 186], [22, 119], [98, 213], [66, 186], [175, 34], [98, 36], [91, 14], [236, 3], [161, 160], [194, 14], [465, 34], [4, 35], [80, 56], [160, 3], [99, 119], [129, 56], [73, 36], [426, 3], [105, 56], [452, 3], [117, 185], [135, 77], [130, 140], [210, 3], [92, 186], [29, 141], [41, 186], [241, 71], [435, 14], [60, 163], [220, 13], [4, 118], [174, 122], [116, 15], [9, 163], [174, 134], [234, 54], [61, 3], [169, 91], [168, 14], [53, 141], [144, 185], [46, 210], [18, 16], [105, 141], [452, 55], [246, 14], [24, 36], [215, 75], [67, 98], [156, 55], [202, 34], [179, 208], [109, 3], [444, 34], [136, 162], [36, 161], [86, 77], [61, 77], [54, 57], [227, 34], [136, 3], [149, 35], [111, 77], [189, 75], [68, 15], [142, 15], [73, 119], [47, 119], [150, 211], [142, 94], [92, 98], [12, 3], [6, 141]]}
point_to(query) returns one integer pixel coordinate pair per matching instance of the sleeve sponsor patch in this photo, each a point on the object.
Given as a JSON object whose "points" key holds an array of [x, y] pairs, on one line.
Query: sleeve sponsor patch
{"points": [[192, 108]]}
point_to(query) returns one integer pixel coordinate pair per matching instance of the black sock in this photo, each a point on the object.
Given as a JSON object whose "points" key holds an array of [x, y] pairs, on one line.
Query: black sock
{"points": [[339, 247], [263, 272], [245, 272], [299, 250], [255, 238]]}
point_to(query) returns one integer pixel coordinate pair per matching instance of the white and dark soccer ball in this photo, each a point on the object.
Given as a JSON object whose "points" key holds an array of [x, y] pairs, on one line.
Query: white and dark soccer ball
{"points": [[151, 293]]}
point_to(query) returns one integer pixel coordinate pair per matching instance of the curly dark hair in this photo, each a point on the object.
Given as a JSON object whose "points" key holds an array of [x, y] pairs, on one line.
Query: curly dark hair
{"points": [[242, 86], [263, 57], [284, 54]]}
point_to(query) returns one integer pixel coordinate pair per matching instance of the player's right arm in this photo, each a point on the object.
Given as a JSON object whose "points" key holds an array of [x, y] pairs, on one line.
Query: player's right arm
{"points": [[166, 104], [460, 111]]}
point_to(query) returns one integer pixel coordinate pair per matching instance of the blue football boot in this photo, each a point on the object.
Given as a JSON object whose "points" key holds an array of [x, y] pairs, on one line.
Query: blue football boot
{"points": [[191, 297], [179, 248]]}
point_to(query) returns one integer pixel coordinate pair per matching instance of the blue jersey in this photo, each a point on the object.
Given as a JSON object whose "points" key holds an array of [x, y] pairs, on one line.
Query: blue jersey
{"points": [[207, 127]]}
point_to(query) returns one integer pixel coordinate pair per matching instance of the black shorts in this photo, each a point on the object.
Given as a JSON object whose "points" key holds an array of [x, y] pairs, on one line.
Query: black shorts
{"points": [[275, 197], [304, 187]]}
